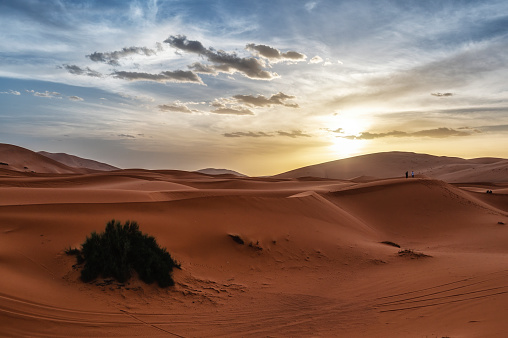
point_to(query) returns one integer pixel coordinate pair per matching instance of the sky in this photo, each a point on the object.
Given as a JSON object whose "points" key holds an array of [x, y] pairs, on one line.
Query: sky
{"points": [[260, 87]]}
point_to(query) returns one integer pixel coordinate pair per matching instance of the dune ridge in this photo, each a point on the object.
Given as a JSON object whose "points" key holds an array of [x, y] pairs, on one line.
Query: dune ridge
{"points": [[260, 256]]}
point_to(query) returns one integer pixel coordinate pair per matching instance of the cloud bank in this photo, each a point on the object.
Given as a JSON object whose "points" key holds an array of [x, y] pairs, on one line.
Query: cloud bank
{"points": [[434, 133], [222, 62]]}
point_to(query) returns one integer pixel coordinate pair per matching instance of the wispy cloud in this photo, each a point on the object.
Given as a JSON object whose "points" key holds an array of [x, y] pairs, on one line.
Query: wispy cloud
{"points": [[316, 59], [180, 76], [441, 94], [47, 94], [247, 134], [76, 98], [11, 92], [126, 136], [434, 133], [232, 111], [76, 70], [181, 108], [113, 57], [293, 133], [262, 101], [275, 55]]}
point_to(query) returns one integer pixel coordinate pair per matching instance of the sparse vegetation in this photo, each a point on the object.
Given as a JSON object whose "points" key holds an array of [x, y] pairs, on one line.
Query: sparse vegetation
{"points": [[412, 254], [237, 239], [123, 248], [391, 243]]}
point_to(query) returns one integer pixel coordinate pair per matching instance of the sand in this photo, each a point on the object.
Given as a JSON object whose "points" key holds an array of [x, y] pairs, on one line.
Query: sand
{"points": [[312, 262]]}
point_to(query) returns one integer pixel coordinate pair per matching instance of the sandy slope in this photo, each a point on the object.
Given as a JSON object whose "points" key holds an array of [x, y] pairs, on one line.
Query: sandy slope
{"points": [[395, 164], [312, 264], [78, 162], [21, 159]]}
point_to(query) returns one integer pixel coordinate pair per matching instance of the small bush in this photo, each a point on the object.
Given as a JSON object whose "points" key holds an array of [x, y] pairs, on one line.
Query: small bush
{"points": [[122, 248], [390, 243], [237, 239]]}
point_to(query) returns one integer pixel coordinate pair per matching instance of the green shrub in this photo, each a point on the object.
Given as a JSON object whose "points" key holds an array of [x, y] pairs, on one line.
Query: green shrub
{"points": [[123, 248]]}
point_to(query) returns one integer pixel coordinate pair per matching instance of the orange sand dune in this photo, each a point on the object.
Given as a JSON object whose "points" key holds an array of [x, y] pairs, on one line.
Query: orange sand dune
{"points": [[395, 164], [312, 263]]}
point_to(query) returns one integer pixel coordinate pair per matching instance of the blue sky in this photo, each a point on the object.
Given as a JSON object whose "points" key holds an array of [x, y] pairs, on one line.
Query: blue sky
{"points": [[256, 86]]}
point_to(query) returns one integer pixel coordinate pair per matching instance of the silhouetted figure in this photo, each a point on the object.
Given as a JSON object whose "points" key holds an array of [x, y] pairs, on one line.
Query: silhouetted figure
{"points": [[412, 174], [407, 174]]}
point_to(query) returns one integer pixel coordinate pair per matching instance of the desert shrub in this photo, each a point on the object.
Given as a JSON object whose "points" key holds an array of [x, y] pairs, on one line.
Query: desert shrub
{"points": [[391, 243], [123, 248]]}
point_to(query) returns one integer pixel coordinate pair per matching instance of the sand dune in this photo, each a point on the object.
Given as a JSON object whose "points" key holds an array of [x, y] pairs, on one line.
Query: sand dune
{"points": [[395, 164], [313, 262], [21, 159], [78, 162]]}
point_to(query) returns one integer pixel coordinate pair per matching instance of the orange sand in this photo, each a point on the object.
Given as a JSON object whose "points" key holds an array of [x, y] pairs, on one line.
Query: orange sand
{"points": [[315, 266]]}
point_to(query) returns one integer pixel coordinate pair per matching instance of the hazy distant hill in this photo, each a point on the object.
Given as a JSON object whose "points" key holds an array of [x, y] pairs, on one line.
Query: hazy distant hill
{"points": [[213, 171], [78, 162], [395, 164]]}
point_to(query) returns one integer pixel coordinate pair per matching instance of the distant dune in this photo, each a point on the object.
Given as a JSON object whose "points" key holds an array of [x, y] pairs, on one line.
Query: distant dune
{"points": [[395, 164], [78, 162], [21, 159], [214, 171]]}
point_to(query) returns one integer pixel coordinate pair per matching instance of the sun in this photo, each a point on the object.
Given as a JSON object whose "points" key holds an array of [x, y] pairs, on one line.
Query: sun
{"points": [[342, 127]]}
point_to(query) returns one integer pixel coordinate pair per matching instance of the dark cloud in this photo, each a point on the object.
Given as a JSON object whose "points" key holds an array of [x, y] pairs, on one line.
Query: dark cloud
{"points": [[441, 94], [175, 108], [274, 55], [222, 61], [293, 134], [434, 133], [168, 76], [76, 70], [198, 67], [113, 57], [126, 135], [247, 134], [232, 111], [262, 101]]}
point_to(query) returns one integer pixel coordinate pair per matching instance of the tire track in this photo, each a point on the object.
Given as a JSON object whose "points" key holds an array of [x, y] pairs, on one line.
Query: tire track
{"points": [[468, 289]]}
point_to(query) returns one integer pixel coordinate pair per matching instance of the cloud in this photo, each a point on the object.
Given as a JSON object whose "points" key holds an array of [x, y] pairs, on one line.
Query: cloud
{"points": [[247, 134], [223, 62], [76, 98], [76, 70], [293, 134], [262, 101], [113, 57], [168, 76], [441, 94], [273, 54], [232, 111], [45, 94], [11, 92], [126, 135], [309, 6], [316, 59], [175, 108], [434, 133]]}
